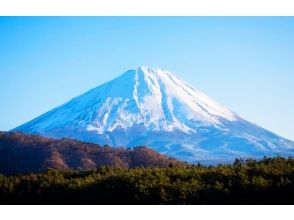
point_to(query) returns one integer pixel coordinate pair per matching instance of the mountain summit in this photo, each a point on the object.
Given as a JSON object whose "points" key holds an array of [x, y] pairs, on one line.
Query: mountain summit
{"points": [[152, 107]]}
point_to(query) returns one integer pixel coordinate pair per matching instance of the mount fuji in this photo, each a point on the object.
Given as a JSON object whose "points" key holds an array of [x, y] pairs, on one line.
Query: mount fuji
{"points": [[152, 107]]}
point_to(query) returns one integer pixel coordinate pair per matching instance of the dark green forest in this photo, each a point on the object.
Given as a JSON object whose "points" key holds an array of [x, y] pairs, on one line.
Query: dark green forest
{"points": [[268, 181]]}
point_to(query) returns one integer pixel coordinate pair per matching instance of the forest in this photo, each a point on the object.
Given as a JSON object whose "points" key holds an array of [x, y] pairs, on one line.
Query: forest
{"points": [[267, 181], [22, 153]]}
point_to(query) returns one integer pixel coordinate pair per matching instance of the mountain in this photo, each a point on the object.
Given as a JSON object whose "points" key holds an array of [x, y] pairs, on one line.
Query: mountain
{"points": [[152, 107], [20, 153]]}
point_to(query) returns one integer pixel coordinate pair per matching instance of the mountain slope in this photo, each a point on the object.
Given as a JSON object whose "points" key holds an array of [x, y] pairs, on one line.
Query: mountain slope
{"points": [[20, 153], [152, 107]]}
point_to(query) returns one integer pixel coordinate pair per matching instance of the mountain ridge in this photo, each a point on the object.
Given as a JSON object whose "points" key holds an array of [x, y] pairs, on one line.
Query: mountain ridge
{"points": [[22, 153]]}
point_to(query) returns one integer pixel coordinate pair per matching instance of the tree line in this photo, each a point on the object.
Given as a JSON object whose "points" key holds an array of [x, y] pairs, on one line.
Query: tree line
{"points": [[268, 181]]}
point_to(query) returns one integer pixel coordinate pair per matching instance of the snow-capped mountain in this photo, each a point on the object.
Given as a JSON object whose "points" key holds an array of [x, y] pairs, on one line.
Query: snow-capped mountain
{"points": [[152, 107]]}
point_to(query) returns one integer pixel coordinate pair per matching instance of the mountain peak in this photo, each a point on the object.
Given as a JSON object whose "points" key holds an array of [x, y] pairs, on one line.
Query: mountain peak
{"points": [[152, 71], [148, 69]]}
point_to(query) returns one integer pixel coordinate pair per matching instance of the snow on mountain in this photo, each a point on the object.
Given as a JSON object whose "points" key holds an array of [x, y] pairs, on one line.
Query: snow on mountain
{"points": [[152, 107]]}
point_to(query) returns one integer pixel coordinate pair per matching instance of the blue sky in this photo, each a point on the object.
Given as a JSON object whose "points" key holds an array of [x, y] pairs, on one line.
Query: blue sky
{"points": [[245, 63]]}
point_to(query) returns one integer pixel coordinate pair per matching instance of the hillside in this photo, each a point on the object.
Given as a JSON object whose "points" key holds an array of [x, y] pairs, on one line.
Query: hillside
{"points": [[20, 153]]}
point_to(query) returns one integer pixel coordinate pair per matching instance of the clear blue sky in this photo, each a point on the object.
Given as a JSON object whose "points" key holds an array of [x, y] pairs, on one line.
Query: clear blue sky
{"points": [[245, 63]]}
